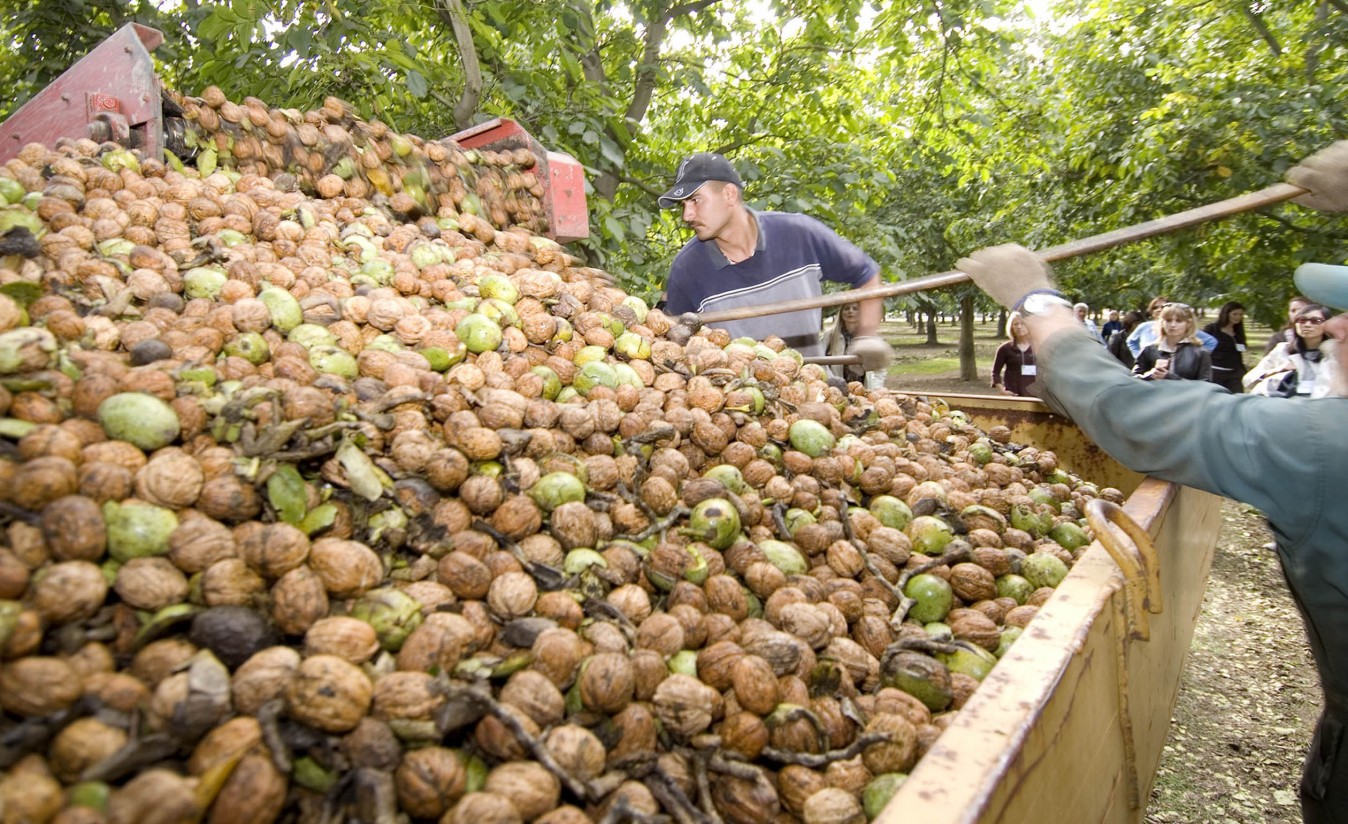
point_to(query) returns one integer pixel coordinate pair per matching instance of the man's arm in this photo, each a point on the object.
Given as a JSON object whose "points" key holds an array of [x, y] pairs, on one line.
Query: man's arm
{"points": [[872, 311]]}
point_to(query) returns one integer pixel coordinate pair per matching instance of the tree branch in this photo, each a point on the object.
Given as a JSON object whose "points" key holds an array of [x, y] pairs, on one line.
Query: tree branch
{"points": [[451, 12], [1259, 26]]}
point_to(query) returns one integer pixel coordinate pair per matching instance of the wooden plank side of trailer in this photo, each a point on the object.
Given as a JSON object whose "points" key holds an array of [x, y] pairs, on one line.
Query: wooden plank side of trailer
{"points": [[1070, 725]]}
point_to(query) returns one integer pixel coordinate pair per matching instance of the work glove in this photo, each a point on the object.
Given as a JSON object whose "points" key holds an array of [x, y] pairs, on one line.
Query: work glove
{"points": [[1007, 273], [1325, 173], [875, 354]]}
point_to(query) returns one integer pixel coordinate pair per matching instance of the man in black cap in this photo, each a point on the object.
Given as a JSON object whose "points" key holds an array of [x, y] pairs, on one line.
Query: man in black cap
{"points": [[741, 257]]}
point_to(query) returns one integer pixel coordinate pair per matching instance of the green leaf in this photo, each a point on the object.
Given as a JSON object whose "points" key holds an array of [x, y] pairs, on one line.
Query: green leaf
{"points": [[288, 494], [416, 84]]}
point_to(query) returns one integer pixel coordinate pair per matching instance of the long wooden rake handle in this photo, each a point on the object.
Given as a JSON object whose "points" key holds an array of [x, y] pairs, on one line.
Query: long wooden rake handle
{"points": [[1276, 193]]}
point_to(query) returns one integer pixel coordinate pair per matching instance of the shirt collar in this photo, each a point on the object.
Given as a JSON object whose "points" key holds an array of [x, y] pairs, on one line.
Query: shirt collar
{"points": [[718, 258]]}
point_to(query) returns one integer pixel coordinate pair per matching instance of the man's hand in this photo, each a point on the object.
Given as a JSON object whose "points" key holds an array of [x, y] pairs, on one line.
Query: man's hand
{"points": [[1325, 173], [1007, 273], [875, 354]]}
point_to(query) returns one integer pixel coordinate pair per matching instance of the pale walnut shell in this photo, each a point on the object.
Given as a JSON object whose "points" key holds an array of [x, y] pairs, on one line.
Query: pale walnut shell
{"points": [[329, 693], [38, 686], [539, 698], [349, 638], [263, 677], [577, 750], [531, 788], [407, 696], [429, 781], [685, 705]]}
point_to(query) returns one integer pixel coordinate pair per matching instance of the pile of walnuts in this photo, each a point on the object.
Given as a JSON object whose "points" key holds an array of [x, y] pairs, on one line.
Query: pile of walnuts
{"points": [[316, 506]]}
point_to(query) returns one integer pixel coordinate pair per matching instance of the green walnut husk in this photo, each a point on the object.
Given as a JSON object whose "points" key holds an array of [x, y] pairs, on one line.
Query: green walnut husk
{"points": [[138, 530], [1043, 570], [715, 521], [933, 597], [141, 419], [785, 557], [556, 488], [393, 614], [891, 511], [479, 333], [811, 437]]}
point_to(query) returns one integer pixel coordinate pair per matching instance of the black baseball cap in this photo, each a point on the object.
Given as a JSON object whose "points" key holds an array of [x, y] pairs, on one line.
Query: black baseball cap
{"points": [[693, 174]]}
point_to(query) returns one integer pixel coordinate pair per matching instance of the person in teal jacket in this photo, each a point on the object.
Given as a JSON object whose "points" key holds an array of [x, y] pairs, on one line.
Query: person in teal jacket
{"points": [[1197, 434]]}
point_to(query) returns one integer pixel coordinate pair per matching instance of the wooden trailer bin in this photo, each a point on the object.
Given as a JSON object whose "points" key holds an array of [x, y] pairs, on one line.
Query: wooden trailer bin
{"points": [[1069, 726]]}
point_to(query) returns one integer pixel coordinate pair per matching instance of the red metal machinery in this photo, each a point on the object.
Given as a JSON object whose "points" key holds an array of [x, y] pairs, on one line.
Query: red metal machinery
{"points": [[562, 176], [113, 94]]}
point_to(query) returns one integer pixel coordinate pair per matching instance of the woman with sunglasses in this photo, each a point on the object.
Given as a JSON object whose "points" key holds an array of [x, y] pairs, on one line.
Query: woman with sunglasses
{"points": [[1297, 368], [1177, 354]]}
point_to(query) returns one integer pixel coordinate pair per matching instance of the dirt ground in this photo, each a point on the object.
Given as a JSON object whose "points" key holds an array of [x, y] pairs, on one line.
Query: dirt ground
{"points": [[1249, 697]]}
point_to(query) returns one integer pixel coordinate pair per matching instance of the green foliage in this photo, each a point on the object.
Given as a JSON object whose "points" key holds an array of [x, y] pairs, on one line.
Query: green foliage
{"points": [[919, 131]]}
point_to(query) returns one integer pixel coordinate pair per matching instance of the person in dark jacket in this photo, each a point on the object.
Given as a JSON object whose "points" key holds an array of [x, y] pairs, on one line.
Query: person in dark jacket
{"points": [[1118, 341], [1228, 361], [1013, 367], [1177, 354]]}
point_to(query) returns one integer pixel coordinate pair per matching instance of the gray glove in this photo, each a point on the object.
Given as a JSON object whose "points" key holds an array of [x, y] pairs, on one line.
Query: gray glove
{"points": [[1325, 173], [1007, 273], [875, 354]]}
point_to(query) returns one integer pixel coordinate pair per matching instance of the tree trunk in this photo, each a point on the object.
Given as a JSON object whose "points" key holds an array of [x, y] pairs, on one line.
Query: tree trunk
{"points": [[452, 12], [1001, 323], [931, 328], [968, 364]]}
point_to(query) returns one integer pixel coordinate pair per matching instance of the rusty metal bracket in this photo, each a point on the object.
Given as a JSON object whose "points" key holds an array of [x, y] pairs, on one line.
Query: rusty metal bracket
{"points": [[1135, 554]]}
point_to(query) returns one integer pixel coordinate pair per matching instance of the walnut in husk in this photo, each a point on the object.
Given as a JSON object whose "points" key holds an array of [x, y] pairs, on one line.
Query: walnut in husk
{"points": [[579, 752], [532, 790], [685, 705], [329, 693], [255, 791], [263, 677], [606, 682], [69, 591], [81, 744], [343, 636], [38, 685], [429, 781]]}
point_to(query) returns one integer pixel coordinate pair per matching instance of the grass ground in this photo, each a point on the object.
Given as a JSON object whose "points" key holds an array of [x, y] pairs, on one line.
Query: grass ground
{"points": [[920, 366]]}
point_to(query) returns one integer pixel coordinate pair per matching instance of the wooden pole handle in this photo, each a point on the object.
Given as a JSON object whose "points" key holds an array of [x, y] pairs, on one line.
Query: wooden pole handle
{"points": [[1268, 196]]}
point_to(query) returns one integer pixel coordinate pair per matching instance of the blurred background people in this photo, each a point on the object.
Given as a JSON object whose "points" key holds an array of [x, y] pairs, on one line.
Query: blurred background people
{"points": [[1228, 358], [1118, 342], [837, 340], [1013, 367], [1177, 354], [1296, 369]]}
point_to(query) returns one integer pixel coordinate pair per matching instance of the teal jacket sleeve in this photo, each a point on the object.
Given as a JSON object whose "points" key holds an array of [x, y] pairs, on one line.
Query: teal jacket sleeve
{"points": [[1276, 454]]}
